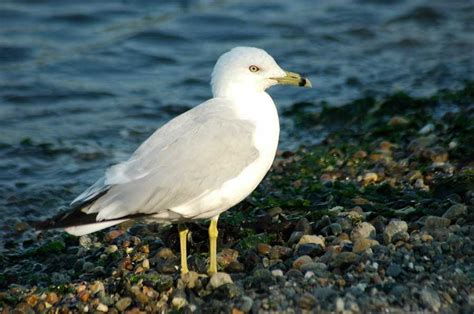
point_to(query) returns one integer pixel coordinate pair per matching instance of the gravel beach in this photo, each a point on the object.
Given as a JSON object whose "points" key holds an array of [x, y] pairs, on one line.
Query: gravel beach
{"points": [[378, 217]]}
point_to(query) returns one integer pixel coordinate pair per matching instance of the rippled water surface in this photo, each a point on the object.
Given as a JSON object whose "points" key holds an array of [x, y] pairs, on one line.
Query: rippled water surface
{"points": [[82, 83]]}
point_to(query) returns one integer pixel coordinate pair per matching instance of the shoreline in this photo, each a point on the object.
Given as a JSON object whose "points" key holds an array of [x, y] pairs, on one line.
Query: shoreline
{"points": [[378, 217]]}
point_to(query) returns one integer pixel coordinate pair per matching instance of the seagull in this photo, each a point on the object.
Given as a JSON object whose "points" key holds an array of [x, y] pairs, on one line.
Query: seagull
{"points": [[199, 164]]}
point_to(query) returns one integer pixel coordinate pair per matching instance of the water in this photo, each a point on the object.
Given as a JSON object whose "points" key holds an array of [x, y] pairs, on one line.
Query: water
{"points": [[83, 83]]}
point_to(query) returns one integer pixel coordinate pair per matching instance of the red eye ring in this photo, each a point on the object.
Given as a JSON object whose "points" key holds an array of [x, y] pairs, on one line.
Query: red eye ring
{"points": [[254, 68]]}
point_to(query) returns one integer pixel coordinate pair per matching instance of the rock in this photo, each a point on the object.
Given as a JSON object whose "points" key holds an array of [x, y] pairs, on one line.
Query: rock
{"points": [[85, 241], [312, 239], [310, 249], [21, 226], [52, 298], [280, 252], [97, 287], [332, 229], [277, 273], [219, 279], [235, 267], [111, 249], [263, 274], [401, 236], [245, 304], [426, 237], [363, 230], [274, 211], [307, 301], [263, 248], [303, 226], [165, 253], [227, 256], [113, 234], [295, 237], [339, 305], [394, 227], [370, 177], [455, 211], [394, 270], [179, 299], [428, 128], [190, 279], [123, 304], [314, 267], [228, 291], [300, 261], [430, 299], [435, 223], [398, 120], [343, 259], [146, 263], [294, 273], [23, 308], [362, 245], [102, 307]]}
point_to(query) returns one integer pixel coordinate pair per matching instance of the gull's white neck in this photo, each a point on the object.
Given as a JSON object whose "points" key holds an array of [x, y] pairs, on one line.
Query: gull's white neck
{"points": [[259, 108]]}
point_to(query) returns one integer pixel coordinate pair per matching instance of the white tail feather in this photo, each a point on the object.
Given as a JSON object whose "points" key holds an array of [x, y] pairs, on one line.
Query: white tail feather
{"points": [[89, 228]]}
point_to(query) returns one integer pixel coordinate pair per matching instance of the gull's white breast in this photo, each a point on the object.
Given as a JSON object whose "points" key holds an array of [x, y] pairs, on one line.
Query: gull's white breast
{"points": [[261, 111]]}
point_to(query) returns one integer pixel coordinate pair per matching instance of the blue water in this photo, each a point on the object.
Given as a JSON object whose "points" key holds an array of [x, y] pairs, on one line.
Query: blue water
{"points": [[82, 83]]}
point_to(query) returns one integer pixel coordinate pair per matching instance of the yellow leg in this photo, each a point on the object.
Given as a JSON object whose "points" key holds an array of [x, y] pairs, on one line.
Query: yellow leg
{"points": [[213, 245], [183, 239]]}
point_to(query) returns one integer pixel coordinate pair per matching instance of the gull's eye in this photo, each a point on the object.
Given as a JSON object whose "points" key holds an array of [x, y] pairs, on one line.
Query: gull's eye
{"points": [[254, 68]]}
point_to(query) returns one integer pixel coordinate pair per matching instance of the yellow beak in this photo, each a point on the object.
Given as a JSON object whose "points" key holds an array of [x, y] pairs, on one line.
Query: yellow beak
{"points": [[293, 79]]}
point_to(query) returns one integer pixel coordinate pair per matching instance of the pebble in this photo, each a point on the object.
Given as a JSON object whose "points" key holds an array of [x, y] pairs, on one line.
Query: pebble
{"points": [[190, 279], [235, 267], [277, 273], [394, 270], [219, 279], [123, 304], [332, 229], [343, 259], [435, 223], [111, 249], [300, 261], [113, 234], [179, 299], [314, 267], [274, 211], [428, 128], [165, 253], [398, 120], [363, 230], [307, 301], [312, 239], [430, 299], [245, 304], [280, 252], [310, 249], [303, 226], [426, 237], [370, 177], [363, 245], [263, 248], [85, 241], [394, 227], [52, 298], [102, 307], [455, 211], [295, 237]]}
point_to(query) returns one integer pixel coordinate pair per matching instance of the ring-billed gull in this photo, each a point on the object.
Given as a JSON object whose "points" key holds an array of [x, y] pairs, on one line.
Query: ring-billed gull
{"points": [[200, 163]]}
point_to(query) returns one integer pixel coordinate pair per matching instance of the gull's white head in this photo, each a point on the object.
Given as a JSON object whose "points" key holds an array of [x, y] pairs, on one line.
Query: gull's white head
{"points": [[248, 70]]}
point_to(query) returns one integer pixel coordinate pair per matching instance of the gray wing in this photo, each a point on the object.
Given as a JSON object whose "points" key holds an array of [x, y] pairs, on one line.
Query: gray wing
{"points": [[191, 155]]}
